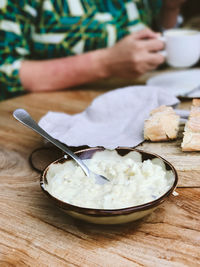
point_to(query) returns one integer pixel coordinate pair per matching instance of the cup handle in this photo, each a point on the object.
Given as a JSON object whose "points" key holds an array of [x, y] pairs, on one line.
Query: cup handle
{"points": [[162, 38], [163, 52]]}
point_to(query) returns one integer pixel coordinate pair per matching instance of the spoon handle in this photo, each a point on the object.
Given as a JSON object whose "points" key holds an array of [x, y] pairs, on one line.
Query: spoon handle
{"points": [[24, 117]]}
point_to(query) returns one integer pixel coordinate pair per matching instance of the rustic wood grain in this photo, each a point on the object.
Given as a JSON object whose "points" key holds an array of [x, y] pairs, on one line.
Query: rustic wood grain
{"points": [[33, 232]]}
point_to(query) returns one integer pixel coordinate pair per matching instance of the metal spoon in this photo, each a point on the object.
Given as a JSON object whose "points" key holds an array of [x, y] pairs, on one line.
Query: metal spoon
{"points": [[24, 117]]}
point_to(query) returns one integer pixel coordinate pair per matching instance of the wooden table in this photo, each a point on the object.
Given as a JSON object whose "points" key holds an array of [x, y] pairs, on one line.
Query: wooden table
{"points": [[33, 232]]}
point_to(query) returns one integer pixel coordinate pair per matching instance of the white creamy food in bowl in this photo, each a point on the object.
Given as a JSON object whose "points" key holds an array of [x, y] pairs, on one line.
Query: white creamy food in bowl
{"points": [[139, 182]]}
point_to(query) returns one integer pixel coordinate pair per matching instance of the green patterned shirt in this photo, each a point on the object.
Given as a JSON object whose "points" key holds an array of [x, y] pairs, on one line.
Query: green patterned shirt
{"points": [[46, 29]]}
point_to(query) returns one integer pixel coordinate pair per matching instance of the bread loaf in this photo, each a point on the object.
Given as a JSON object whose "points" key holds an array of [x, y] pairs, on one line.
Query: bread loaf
{"points": [[191, 135], [162, 125]]}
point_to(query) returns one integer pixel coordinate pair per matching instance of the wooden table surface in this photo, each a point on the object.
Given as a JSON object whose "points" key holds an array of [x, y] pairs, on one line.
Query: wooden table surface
{"points": [[33, 232]]}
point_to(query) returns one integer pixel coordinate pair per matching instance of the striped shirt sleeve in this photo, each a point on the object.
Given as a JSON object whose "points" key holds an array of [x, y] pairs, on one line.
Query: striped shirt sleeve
{"points": [[16, 21]]}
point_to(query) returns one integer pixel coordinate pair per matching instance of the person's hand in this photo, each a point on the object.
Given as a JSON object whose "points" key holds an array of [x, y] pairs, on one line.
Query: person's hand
{"points": [[173, 4], [135, 55]]}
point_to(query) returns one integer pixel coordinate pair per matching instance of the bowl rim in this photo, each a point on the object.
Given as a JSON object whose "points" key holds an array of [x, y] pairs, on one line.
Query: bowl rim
{"points": [[110, 212]]}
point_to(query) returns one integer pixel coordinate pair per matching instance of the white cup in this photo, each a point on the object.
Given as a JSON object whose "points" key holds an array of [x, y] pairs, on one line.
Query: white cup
{"points": [[182, 47]]}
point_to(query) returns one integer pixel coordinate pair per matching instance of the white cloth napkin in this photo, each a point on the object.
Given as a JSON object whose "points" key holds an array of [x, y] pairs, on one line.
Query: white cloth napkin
{"points": [[113, 119]]}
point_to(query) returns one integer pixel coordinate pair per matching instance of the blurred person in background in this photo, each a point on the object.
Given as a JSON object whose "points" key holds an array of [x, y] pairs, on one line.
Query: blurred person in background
{"points": [[191, 14], [51, 45]]}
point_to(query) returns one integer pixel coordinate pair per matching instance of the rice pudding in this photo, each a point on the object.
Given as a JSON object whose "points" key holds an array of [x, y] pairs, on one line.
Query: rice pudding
{"points": [[132, 182]]}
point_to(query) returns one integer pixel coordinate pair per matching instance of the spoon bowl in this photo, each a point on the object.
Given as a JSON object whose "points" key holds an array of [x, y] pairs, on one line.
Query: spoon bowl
{"points": [[24, 117]]}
